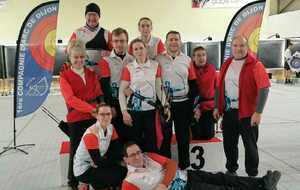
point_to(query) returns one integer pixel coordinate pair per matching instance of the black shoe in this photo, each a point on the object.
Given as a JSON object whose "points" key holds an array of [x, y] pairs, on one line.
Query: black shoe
{"points": [[230, 173], [271, 179]]}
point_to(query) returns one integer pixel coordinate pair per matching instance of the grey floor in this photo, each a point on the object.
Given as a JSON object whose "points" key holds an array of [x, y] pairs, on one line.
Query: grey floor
{"points": [[279, 143]]}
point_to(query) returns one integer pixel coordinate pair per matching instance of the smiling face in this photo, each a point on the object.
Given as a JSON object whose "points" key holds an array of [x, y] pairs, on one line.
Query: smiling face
{"points": [[239, 47], [134, 156], [77, 59], [200, 57], [104, 116], [92, 19], [173, 43]]}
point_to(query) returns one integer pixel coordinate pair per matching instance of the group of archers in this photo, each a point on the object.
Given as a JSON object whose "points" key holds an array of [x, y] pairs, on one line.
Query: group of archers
{"points": [[123, 101]]}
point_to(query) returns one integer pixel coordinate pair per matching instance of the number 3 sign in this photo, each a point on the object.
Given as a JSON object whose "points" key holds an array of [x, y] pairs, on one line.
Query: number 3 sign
{"points": [[199, 161]]}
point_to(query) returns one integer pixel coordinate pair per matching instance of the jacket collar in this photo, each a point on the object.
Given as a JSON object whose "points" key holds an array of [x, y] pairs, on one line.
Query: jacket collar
{"points": [[147, 64]]}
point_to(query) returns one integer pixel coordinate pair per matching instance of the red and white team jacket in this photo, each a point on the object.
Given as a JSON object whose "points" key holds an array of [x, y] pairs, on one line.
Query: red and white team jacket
{"points": [[112, 67], [154, 47], [142, 81], [175, 75], [80, 95], [207, 80], [93, 138], [148, 177], [98, 42], [253, 77]]}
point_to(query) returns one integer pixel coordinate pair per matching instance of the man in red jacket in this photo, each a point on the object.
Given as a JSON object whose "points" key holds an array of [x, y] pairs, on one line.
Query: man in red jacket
{"points": [[240, 98], [206, 75]]}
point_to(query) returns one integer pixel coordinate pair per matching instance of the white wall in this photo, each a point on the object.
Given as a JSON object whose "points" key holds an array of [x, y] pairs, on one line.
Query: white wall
{"points": [[286, 24], [12, 17], [194, 24]]}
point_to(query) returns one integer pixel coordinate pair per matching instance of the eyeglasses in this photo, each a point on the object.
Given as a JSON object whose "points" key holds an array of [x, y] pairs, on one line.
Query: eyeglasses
{"points": [[133, 155], [104, 114]]}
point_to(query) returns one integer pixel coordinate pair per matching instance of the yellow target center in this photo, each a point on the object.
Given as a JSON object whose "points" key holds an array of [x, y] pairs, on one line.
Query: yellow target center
{"points": [[253, 40], [50, 44]]}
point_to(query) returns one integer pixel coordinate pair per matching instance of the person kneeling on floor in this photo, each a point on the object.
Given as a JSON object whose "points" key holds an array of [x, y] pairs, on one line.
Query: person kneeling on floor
{"points": [[148, 171], [98, 157]]}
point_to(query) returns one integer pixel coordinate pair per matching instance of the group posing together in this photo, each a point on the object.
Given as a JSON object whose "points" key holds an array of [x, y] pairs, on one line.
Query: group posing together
{"points": [[123, 101]]}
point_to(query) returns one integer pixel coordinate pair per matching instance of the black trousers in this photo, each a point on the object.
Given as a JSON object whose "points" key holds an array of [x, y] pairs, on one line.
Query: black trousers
{"points": [[103, 177], [204, 129], [77, 130], [201, 180], [181, 116], [232, 129], [118, 123], [143, 130], [167, 132]]}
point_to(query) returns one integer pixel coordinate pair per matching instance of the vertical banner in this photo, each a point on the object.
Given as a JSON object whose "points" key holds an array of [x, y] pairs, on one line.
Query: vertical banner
{"points": [[246, 22], [35, 58]]}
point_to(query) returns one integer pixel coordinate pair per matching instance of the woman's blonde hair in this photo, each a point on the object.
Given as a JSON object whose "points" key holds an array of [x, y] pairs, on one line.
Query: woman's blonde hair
{"points": [[76, 46]]}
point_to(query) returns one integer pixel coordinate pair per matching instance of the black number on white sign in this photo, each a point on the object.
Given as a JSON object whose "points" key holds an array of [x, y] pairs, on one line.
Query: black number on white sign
{"points": [[199, 156]]}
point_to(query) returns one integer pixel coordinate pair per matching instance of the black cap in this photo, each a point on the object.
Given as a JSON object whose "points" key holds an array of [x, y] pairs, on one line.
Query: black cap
{"points": [[92, 7]]}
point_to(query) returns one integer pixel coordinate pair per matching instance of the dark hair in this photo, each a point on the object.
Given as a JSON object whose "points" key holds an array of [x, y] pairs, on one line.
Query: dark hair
{"points": [[101, 105], [92, 7], [118, 31], [137, 40], [288, 42], [198, 49], [127, 145], [173, 32], [144, 18]]}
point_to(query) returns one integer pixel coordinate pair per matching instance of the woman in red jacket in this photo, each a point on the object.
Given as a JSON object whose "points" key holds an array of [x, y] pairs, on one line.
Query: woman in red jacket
{"points": [[206, 76], [81, 91]]}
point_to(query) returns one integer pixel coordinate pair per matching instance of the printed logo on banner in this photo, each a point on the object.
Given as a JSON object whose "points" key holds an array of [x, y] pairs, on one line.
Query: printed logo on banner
{"points": [[37, 88], [219, 3], [294, 62], [247, 23], [35, 58]]}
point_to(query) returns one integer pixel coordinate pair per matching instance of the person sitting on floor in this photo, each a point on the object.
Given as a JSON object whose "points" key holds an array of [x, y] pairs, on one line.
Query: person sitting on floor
{"points": [[98, 157]]}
